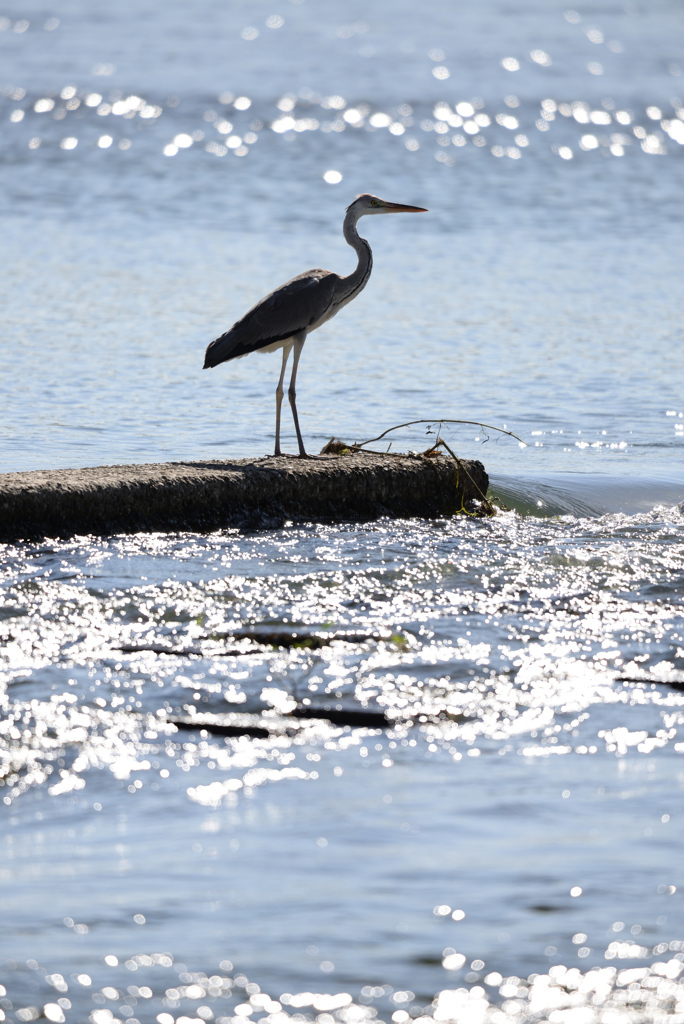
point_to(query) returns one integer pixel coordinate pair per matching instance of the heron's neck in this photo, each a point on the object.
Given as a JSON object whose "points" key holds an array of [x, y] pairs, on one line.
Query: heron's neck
{"points": [[357, 280]]}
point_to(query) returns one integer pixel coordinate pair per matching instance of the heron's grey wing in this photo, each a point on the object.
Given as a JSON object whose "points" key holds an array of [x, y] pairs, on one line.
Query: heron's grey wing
{"points": [[294, 306]]}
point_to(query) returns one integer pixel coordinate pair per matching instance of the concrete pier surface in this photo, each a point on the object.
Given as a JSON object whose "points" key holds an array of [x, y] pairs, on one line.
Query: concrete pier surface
{"points": [[249, 493]]}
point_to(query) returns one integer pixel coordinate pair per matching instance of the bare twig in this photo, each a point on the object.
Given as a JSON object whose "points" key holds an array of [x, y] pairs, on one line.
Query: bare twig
{"points": [[411, 423], [487, 505]]}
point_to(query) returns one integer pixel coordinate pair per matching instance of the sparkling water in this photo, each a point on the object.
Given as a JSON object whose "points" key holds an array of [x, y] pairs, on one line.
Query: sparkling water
{"points": [[511, 848]]}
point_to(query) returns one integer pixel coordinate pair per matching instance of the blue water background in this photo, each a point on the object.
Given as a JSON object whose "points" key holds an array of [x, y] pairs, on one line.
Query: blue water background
{"points": [[541, 292]]}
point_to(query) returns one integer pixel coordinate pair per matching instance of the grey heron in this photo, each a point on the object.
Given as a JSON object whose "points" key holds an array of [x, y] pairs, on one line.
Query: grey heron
{"points": [[284, 318]]}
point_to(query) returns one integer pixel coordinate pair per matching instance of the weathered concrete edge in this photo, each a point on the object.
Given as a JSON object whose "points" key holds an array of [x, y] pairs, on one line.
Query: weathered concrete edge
{"points": [[248, 493]]}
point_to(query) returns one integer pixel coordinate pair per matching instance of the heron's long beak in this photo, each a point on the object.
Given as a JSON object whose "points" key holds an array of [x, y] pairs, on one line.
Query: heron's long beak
{"points": [[400, 208]]}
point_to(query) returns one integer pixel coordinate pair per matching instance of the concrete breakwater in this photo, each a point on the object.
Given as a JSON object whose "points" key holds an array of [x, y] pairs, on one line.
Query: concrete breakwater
{"points": [[251, 493]]}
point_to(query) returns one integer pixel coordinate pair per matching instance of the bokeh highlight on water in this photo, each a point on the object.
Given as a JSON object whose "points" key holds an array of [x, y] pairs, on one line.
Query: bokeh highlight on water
{"points": [[510, 851]]}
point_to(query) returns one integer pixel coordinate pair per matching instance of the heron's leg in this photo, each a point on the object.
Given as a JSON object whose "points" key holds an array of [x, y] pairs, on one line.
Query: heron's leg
{"points": [[299, 340], [279, 397]]}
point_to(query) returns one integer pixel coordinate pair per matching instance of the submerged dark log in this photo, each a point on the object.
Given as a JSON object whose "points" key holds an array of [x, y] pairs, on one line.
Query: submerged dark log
{"points": [[676, 684], [341, 716], [270, 638], [263, 726], [310, 640], [248, 493], [161, 649], [220, 729]]}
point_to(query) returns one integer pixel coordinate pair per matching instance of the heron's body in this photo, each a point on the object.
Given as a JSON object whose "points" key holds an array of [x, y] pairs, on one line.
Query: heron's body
{"points": [[285, 317], [307, 301]]}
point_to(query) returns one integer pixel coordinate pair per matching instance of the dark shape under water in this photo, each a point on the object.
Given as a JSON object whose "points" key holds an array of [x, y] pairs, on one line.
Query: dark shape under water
{"points": [[248, 727], [219, 729], [341, 716], [273, 638]]}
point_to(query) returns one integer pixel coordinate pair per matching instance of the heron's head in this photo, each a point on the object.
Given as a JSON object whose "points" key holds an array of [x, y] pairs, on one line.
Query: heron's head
{"points": [[365, 204]]}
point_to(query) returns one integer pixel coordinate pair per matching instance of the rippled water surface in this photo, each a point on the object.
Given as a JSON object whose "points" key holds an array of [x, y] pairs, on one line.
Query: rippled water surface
{"points": [[509, 848]]}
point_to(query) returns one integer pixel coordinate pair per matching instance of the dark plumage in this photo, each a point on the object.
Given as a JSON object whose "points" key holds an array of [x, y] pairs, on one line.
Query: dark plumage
{"points": [[293, 307]]}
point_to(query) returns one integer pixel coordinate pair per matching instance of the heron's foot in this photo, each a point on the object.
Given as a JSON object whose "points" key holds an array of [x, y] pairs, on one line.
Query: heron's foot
{"points": [[302, 455]]}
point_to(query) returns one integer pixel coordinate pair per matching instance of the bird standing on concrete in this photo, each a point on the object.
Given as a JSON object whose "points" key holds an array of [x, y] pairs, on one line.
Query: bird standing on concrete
{"points": [[285, 317]]}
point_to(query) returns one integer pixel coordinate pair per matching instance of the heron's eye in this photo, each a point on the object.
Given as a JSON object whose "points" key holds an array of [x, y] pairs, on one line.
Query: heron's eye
{"points": [[374, 203]]}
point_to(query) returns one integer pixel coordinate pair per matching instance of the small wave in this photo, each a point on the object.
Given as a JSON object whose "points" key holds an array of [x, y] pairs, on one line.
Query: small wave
{"points": [[584, 494]]}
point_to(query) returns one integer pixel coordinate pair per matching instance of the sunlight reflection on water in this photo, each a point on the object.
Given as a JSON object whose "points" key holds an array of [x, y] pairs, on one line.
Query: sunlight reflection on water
{"points": [[510, 848]]}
